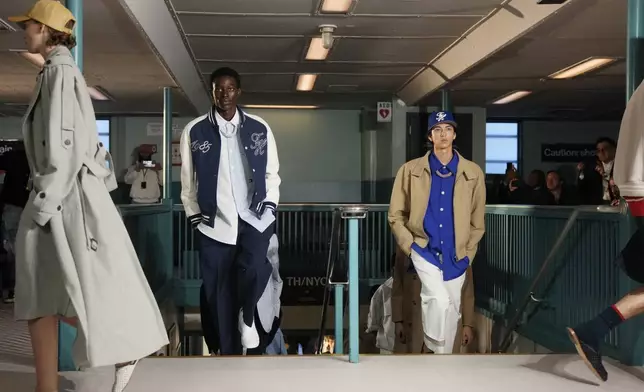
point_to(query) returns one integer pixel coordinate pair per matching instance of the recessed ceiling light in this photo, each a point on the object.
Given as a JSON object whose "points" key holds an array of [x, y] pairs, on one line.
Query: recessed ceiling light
{"points": [[316, 50], [511, 97], [582, 67], [305, 82], [336, 6]]}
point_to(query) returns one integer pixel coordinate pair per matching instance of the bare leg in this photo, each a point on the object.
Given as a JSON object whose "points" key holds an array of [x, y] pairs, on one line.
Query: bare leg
{"points": [[632, 304], [44, 341]]}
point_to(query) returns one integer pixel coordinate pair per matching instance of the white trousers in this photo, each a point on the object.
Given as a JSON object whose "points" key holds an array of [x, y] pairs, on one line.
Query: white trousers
{"points": [[440, 303]]}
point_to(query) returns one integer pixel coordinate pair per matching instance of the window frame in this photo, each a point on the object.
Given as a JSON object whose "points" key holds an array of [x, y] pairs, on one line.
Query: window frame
{"points": [[519, 161]]}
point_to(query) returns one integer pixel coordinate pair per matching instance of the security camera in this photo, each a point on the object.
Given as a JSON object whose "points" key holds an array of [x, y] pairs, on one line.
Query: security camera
{"points": [[327, 35]]}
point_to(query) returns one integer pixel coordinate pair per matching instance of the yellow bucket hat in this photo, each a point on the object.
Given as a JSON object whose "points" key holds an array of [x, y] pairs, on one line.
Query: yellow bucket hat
{"points": [[51, 13]]}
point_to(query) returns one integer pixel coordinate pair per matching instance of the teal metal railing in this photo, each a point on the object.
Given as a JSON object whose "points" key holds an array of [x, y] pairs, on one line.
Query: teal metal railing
{"points": [[304, 232], [580, 281]]}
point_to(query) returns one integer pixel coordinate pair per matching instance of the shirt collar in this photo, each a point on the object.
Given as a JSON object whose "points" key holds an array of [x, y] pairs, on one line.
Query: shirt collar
{"points": [[220, 120], [435, 164]]}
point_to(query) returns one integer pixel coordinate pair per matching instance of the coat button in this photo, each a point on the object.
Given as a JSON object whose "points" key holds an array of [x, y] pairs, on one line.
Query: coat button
{"points": [[59, 208], [100, 144], [414, 277], [413, 303], [44, 143], [67, 142], [42, 195]]}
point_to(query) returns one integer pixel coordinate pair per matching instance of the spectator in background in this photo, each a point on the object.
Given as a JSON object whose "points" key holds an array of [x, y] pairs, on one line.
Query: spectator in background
{"points": [[14, 196], [563, 195], [146, 178], [531, 192], [595, 179]]}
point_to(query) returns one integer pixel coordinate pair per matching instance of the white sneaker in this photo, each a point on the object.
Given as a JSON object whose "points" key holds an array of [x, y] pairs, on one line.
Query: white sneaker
{"points": [[122, 376], [249, 335]]}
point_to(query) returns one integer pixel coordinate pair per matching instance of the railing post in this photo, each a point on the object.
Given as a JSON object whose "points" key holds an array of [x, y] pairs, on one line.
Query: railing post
{"points": [[339, 319], [167, 143], [353, 214]]}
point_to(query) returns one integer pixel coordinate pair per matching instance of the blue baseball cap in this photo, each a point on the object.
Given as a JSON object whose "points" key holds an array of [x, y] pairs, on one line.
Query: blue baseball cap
{"points": [[441, 118]]}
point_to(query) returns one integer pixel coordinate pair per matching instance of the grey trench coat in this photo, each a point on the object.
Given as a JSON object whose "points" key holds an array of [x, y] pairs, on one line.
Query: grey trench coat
{"points": [[74, 256]]}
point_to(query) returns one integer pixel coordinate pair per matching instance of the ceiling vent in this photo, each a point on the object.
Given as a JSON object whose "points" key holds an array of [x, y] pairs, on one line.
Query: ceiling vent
{"points": [[5, 27]]}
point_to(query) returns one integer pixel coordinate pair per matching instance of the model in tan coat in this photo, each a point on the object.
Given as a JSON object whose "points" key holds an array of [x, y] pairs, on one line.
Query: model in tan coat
{"points": [[406, 311]]}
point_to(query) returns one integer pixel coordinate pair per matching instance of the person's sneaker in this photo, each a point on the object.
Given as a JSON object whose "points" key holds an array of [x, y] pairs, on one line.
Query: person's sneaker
{"points": [[249, 335], [589, 354], [10, 298]]}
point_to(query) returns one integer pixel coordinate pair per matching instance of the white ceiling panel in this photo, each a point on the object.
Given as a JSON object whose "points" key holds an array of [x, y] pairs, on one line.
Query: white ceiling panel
{"points": [[393, 69], [425, 7], [390, 50], [587, 19], [245, 6], [308, 26], [361, 82], [541, 57], [255, 49], [268, 83]]}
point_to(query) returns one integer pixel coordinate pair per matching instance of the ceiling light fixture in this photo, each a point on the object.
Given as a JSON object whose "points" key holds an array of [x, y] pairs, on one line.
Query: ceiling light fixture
{"points": [[305, 82], [582, 67], [511, 97], [280, 106], [98, 93], [317, 51], [336, 6]]}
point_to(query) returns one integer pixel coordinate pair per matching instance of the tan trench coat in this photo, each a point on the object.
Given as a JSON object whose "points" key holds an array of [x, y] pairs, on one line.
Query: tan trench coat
{"points": [[74, 256], [409, 197], [405, 307]]}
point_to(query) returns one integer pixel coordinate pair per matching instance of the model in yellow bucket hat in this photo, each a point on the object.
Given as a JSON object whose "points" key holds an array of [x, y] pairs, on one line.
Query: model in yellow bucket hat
{"points": [[75, 261], [47, 24]]}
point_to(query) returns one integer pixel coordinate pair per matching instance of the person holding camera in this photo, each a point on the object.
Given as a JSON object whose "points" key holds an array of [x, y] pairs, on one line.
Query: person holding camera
{"points": [[146, 178]]}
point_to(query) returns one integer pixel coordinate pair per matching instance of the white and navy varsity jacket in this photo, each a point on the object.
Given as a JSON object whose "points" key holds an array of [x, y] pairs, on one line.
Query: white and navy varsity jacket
{"points": [[200, 167]]}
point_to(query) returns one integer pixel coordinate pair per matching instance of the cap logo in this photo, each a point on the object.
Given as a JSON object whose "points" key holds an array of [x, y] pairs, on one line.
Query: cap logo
{"points": [[440, 116]]}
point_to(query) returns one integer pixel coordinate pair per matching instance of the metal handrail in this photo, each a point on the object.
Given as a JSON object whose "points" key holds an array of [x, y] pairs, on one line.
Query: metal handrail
{"points": [[334, 250], [530, 295]]}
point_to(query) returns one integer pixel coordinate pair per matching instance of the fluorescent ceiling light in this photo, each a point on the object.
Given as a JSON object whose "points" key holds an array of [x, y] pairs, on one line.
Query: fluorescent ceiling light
{"points": [[280, 106], [99, 94], [582, 67], [336, 6], [316, 50], [305, 82], [511, 97]]}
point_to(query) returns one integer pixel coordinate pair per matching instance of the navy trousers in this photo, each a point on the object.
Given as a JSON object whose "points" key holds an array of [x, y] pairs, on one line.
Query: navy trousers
{"points": [[234, 277]]}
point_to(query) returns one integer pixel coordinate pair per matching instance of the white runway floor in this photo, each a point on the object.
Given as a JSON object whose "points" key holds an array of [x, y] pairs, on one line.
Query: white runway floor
{"points": [[498, 373]]}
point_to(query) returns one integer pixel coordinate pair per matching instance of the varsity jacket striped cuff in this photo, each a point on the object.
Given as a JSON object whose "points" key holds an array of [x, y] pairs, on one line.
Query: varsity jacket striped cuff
{"points": [[265, 205], [195, 220]]}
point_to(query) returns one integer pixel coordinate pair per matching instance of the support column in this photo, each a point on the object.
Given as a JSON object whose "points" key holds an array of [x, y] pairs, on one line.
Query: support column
{"points": [[167, 143], [76, 7], [67, 333], [446, 100], [635, 48]]}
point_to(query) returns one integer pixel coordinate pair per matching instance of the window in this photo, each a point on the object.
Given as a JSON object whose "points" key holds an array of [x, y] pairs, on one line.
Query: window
{"points": [[501, 146], [103, 127]]}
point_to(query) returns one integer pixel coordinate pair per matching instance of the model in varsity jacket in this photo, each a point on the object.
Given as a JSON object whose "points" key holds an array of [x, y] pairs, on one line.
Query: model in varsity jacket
{"points": [[230, 190]]}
